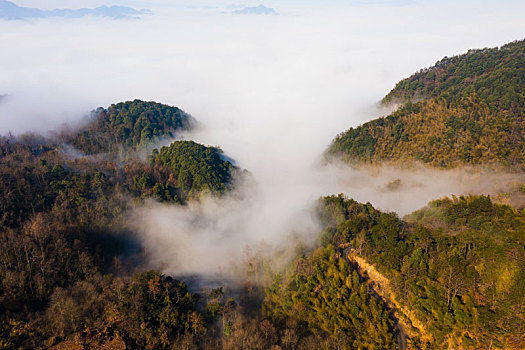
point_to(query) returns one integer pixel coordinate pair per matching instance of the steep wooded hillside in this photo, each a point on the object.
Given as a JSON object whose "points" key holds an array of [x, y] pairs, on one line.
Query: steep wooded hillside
{"points": [[456, 265], [496, 75], [62, 230], [128, 125], [468, 109]]}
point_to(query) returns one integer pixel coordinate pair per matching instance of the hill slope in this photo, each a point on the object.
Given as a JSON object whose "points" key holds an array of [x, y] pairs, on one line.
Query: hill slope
{"points": [[496, 75], [197, 168], [130, 124], [455, 267], [63, 228], [471, 110]]}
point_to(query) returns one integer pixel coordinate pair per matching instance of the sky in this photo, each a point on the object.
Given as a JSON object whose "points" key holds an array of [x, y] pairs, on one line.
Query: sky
{"points": [[271, 91]]}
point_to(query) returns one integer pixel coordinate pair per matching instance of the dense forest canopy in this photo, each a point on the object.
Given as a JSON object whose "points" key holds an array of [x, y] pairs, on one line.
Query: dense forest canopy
{"points": [[468, 109], [324, 296], [197, 168], [496, 75], [449, 274], [130, 124], [454, 271], [62, 230], [38, 178]]}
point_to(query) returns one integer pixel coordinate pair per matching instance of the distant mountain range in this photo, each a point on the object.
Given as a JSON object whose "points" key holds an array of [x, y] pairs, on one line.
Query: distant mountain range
{"points": [[256, 10], [11, 11]]}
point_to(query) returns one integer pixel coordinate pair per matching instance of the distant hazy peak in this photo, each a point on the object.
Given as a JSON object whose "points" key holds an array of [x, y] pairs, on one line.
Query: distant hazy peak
{"points": [[11, 11], [256, 10]]}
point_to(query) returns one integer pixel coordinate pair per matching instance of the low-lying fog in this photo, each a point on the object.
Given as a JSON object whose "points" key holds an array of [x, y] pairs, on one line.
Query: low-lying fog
{"points": [[272, 91]]}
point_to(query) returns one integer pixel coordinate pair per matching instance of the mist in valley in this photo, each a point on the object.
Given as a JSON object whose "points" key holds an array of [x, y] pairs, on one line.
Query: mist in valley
{"points": [[270, 91]]}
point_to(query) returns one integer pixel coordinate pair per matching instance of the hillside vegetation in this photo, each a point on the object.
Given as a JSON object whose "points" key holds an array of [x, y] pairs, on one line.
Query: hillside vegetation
{"points": [[496, 75], [324, 300], [197, 168], [468, 109], [456, 264], [63, 229], [130, 124]]}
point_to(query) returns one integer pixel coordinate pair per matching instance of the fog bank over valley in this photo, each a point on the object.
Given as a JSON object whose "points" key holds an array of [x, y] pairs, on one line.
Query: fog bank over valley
{"points": [[271, 91]]}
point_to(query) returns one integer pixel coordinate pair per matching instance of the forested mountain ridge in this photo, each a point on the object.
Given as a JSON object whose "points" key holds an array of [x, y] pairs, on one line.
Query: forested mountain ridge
{"points": [[63, 228], [129, 125], [496, 75], [197, 168], [466, 110], [37, 177], [457, 265]]}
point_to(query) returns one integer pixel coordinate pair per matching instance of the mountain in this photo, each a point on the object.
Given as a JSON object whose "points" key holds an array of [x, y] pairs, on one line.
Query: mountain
{"points": [[496, 75], [67, 213], [467, 109], [39, 177], [128, 125], [38, 174], [11, 11], [449, 275], [197, 168], [256, 10]]}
